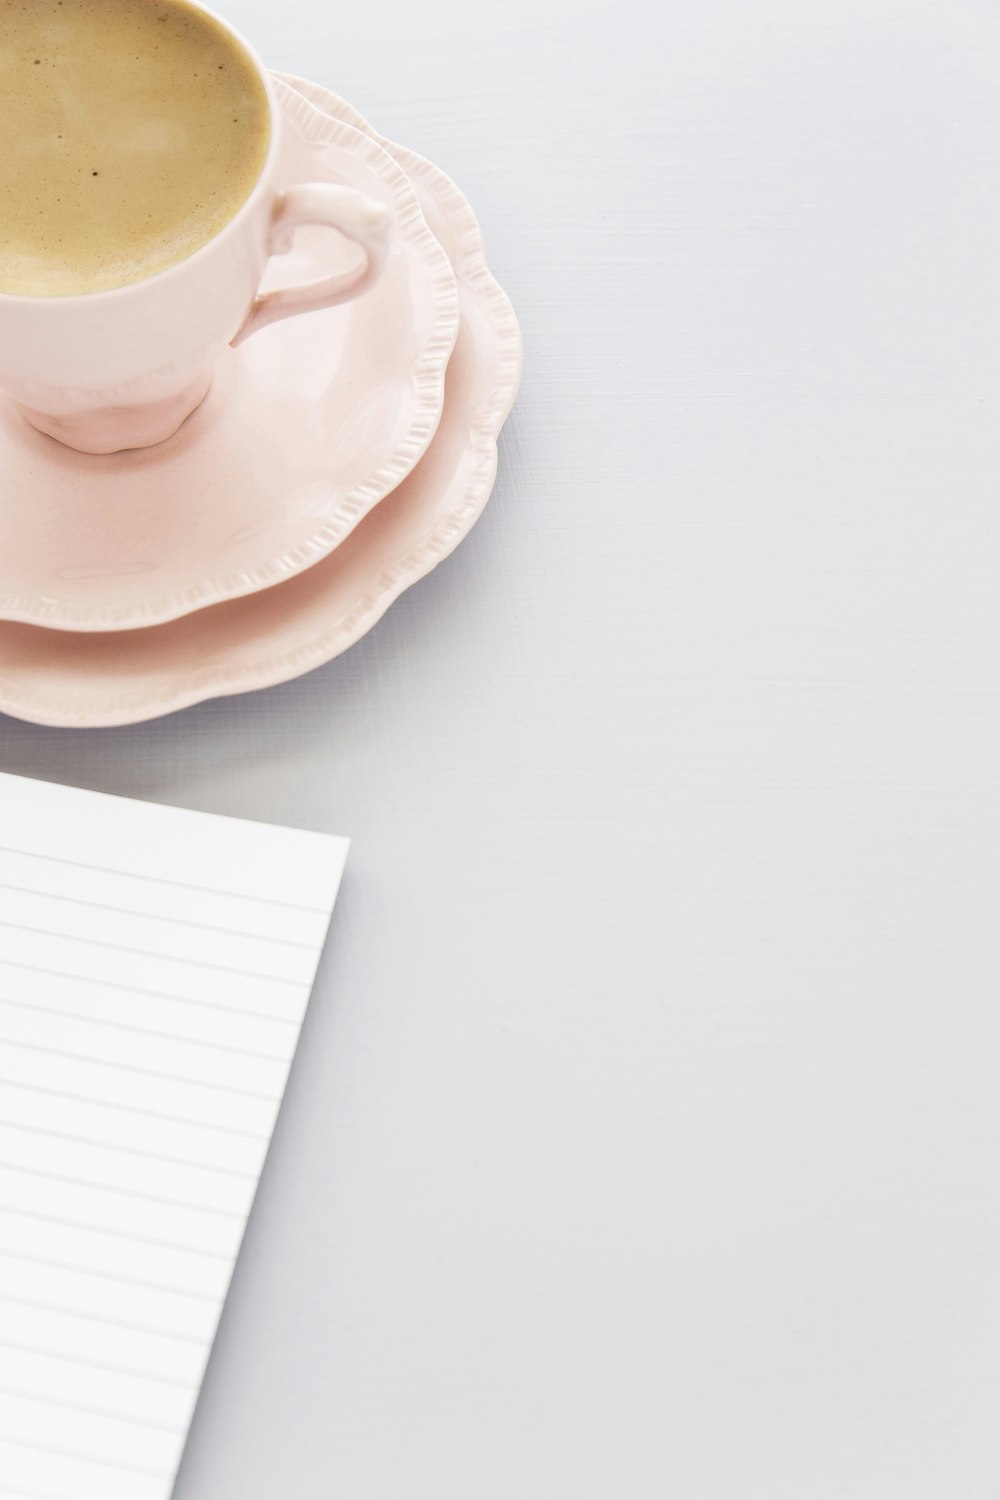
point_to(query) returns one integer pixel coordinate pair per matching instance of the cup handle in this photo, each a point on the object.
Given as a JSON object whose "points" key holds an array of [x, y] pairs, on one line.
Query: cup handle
{"points": [[359, 218]]}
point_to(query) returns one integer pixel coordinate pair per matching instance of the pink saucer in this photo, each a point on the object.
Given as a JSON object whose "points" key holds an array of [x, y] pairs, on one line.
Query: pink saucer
{"points": [[54, 678], [307, 426]]}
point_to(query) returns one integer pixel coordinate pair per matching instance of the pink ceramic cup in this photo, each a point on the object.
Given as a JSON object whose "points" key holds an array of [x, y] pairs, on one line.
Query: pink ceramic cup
{"points": [[124, 368]]}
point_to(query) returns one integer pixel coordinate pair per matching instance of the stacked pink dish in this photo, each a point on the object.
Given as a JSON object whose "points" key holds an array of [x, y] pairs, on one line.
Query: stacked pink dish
{"points": [[336, 460]]}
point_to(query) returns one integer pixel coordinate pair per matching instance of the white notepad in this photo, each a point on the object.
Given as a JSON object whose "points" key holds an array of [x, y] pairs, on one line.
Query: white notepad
{"points": [[155, 967]]}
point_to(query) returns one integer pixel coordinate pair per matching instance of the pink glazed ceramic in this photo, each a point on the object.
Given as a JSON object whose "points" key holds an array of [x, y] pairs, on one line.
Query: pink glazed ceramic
{"points": [[307, 427], [124, 368], [53, 677]]}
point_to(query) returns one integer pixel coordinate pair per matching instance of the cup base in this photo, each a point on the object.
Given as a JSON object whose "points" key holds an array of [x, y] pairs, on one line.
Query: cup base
{"points": [[113, 429]]}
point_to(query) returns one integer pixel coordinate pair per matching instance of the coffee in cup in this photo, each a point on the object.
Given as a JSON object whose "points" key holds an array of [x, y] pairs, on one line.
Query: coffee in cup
{"points": [[131, 132], [142, 193]]}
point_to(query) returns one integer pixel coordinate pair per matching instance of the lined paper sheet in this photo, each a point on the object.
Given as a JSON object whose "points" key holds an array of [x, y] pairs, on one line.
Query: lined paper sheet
{"points": [[155, 967]]}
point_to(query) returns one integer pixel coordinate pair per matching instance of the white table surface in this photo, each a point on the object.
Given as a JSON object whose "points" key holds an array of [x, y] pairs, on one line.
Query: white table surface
{"points": [[643, 1140]]}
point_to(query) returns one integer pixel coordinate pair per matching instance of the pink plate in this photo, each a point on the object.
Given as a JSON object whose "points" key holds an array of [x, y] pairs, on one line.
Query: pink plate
{"points": [[307, 426], [54, 678]]}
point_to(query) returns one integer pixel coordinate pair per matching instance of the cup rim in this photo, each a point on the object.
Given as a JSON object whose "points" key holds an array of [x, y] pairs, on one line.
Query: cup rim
{"points": [[245, 209]]}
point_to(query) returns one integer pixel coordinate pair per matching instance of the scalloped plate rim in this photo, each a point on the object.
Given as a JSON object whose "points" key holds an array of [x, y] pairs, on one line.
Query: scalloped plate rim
{"points": [[445, 537], [429, 372]]}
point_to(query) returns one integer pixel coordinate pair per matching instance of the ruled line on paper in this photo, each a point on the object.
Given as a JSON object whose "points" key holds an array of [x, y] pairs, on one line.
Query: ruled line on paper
{"points": [[134, 1119], [146, 1286], [238, 932], [173, 958], [117, 1234], [86, 1458], [6, 1494], [87, 1411], [125, 1192], [105, 1062], [133, 1109], [173, 1161], [97, 1364], [162, 1036], [319, 911], [152, 994], [90, 1317]]}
